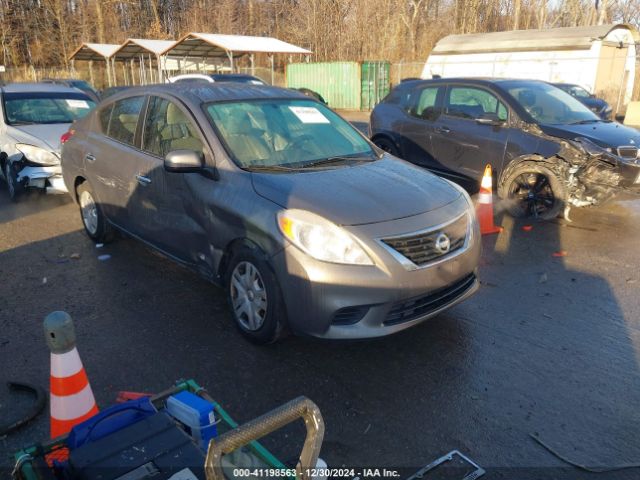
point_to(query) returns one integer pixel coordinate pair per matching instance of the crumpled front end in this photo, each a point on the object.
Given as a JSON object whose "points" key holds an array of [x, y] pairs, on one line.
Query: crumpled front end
{"points": [[33, 167], [594, 175]]}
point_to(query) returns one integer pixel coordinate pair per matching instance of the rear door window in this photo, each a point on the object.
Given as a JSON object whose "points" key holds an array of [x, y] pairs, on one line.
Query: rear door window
{"points": [[167, 128], [124, 119], [423, 103], [473, 103]]}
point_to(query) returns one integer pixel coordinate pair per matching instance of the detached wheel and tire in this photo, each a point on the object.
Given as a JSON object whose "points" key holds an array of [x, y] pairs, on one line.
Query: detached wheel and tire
{"points": [[93, 219], [13, 186], [533, 190], [387, 146], [254, 297]]}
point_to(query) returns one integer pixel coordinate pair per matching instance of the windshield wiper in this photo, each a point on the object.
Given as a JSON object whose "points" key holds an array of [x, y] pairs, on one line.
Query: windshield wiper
{"points": [[336, 159], [268, 168], [585, 122]]}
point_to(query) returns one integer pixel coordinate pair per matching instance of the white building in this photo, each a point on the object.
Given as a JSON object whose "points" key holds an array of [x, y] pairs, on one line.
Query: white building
{"points": [[600, 58]]}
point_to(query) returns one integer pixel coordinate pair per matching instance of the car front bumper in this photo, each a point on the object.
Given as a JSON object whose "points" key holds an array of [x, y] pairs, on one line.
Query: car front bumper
{"points": [[46, 178], [350, 302]]}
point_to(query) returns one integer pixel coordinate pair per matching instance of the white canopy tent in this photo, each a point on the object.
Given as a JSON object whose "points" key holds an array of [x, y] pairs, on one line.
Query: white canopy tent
{"points": [[91, 52], [219, 47]]}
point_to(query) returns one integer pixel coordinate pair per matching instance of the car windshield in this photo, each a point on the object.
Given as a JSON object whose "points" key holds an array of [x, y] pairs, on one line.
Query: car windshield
{"points": [[27, 108], [548, 104], [578, 91], [287, 133]]}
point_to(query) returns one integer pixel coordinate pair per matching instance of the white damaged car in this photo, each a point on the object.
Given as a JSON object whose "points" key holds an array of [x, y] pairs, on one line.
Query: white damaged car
{"points": [[33, 118]]}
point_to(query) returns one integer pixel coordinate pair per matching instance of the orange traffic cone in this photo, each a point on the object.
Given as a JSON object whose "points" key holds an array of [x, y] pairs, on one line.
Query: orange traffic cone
{"points": [[484, 208], [72, 399]]}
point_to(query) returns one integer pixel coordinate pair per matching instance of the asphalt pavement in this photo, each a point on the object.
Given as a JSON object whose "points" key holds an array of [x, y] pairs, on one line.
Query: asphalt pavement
{"points": [[548, 347]]}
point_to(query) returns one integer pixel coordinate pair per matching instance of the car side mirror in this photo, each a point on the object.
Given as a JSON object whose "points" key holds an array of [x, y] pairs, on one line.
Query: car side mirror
{"points": [[184, 161], [490, 119]]}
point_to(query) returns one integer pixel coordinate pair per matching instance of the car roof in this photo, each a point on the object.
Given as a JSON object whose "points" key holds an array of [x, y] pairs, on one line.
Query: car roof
{"points": [[213, 92], [470, 80], [39, 87]]}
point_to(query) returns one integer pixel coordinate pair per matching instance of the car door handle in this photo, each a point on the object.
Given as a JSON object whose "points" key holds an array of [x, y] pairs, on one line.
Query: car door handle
{"points": [[142, 180], [89, 157], [443, 130]]}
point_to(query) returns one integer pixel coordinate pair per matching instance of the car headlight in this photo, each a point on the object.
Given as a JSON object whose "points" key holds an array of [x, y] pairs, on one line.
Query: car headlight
{"points": [[38, 155], [320, 238], [590, 148]]}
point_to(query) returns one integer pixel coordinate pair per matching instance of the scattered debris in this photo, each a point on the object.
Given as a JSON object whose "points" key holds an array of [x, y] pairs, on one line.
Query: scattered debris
{"points": [[366, 430], [631, 280], [560, 253], [44, 280], [453, 460], [104, 257], [543, 278], [547, 315], [527, 228], [99, 245], [74, 256]]}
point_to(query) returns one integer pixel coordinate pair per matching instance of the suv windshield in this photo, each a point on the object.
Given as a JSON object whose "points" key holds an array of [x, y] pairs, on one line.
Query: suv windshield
{"points": [[286, 133], [548, 104], [26, 108]]}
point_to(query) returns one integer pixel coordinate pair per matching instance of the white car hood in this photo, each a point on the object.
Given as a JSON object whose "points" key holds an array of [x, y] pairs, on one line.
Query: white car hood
{"points": [[45, 136]]}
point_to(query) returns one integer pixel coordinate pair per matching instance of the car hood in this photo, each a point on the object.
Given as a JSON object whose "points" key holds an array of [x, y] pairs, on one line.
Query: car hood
{"points": [[358, 194], [605, 134], [44, 136], [594, 103]]}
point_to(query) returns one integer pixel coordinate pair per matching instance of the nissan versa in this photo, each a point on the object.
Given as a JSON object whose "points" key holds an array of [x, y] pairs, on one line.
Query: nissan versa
{"points": [[277, 198], [548, 150]]}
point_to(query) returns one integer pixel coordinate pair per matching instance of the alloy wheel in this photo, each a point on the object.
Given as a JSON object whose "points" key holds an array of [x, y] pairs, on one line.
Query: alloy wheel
{"points": [[248, 296], [534, 193], [89, 212]]}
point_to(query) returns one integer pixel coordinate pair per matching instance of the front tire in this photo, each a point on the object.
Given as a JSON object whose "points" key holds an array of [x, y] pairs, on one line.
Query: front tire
{"points": [[254, 297], [387, 146], [533, 190], [95, 223], [11, 177]]}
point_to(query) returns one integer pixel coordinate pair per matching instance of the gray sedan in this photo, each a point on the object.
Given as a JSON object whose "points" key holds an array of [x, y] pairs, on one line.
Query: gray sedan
{"points": [[272, 195]]}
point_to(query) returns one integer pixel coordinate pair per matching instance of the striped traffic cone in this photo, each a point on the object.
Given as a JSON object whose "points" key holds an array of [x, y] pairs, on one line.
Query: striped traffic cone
{"points": [[484, 208], [72, 400]]}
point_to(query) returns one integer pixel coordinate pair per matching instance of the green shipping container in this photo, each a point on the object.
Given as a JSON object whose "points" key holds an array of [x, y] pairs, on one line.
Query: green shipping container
{"points": [[375, 83], [343, 85]]}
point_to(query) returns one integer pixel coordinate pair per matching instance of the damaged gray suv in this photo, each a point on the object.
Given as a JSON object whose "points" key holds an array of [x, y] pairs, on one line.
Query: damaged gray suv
{"points": [[549, 152], [273, 196]]}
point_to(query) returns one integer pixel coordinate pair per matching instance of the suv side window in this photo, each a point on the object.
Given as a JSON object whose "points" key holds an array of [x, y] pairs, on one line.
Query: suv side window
{"points": [[423, 103], [167, 128], [124, 119], [473, 103]]}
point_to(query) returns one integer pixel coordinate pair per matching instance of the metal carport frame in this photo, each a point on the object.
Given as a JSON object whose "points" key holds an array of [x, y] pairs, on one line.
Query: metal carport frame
{"points": [[137, 48], [213, 45], [91, 52]]}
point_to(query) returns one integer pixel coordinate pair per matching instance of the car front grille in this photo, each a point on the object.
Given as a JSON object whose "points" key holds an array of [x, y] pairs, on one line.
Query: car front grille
{"points": [[628, 152], [425, 247], [417, 307]]}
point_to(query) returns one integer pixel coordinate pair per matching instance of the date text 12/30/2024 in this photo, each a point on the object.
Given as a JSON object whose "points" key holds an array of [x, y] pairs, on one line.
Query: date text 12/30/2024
{"points": [[349, 473]]}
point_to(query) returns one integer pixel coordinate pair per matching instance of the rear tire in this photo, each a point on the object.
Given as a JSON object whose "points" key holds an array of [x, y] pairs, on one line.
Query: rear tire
{"points": [[387, 146], [93, 219], [254, 297], [533, 190]]}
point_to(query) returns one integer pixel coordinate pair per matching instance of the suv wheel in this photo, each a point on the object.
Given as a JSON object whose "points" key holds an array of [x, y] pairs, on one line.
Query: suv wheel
{"points": [[254, 297], [533, 190], [93, 219], [386, 145]]}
